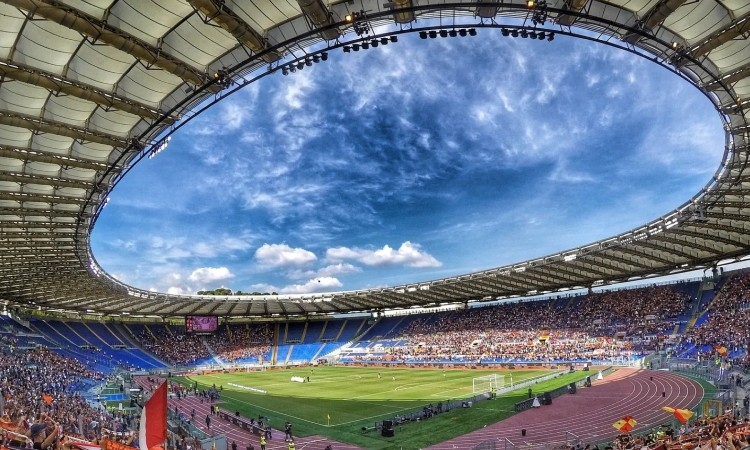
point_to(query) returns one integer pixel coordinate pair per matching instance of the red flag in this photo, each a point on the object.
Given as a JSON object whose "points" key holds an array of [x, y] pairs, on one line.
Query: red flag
{"points": [[153, 431], [722, 350]]}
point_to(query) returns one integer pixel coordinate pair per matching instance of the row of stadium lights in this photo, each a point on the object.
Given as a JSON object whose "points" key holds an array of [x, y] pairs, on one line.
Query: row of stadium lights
{"points": [[307, 62], [364, 45], [541, 35], [432, 34]]}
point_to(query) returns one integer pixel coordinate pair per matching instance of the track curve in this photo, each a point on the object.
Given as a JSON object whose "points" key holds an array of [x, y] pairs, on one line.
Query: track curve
{"points": [[590, 413]]}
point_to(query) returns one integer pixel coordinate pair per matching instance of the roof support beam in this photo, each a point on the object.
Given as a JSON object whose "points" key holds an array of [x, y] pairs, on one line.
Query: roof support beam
{"points": [[58, 84], [23, 178], [654, 17], [234, 25], [45, 235], [47, 213], [27, 154], [41, 198], [36, 227], [509, 283], [643, 255], [541, 276], [665, 249], [571, 276], [735, 29], [62, 129], [605, 258], [572, 6], [320, 16], [695, 245], [99, 30], [730, 78]]}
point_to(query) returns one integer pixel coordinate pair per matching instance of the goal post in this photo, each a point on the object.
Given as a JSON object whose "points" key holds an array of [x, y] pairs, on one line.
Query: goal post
{"points": [[487, 383]]}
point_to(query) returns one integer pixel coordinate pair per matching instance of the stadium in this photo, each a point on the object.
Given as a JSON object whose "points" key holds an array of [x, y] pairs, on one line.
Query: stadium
{"points": [[91, 89]]}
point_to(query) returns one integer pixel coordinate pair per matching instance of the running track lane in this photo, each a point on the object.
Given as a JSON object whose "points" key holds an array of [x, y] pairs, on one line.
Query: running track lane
{"points": [[590, 412]]}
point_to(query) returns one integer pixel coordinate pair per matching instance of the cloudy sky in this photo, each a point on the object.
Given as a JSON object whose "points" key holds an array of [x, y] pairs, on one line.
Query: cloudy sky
{"points": [[409, 162]]}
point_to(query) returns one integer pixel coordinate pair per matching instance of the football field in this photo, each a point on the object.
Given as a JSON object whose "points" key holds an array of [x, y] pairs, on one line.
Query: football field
{"points": [[344, 397]]}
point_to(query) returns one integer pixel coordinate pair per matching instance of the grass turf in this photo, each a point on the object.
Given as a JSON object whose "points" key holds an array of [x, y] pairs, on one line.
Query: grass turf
{"points": [[339, 402]]}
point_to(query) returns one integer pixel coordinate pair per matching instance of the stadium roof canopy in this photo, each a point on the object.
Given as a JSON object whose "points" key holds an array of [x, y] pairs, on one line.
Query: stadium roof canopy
{"points": [[89, 88]]}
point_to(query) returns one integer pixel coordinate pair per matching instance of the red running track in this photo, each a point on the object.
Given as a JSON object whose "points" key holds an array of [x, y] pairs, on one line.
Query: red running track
{"points": [[590, 413]]}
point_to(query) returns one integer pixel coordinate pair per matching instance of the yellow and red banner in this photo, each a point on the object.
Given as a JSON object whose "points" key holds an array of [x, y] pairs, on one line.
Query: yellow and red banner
{"points": [[682, 415], [625, 424]]}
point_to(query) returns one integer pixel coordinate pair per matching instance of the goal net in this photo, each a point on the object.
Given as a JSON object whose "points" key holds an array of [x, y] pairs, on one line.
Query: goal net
{"points": [[487, 383]]}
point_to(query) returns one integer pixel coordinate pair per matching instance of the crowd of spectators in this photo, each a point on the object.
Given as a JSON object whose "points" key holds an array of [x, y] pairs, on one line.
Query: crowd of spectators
{"points": [[727, 321], [724, 432], [173, 345], [230, 343], [645, 311], [37, 388], [242, 342], [605, 325]]}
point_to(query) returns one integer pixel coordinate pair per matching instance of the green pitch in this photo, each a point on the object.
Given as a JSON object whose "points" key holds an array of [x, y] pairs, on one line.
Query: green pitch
{"points": [[340, 401]]}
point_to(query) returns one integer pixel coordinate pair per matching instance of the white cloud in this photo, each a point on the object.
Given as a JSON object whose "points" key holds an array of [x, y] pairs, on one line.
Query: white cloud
{"points": [[233, 115], [296, 89], [175, 290], [280, 255], [327, 271], [407, 255], [563, 173], [321, 284], [210, 274]]}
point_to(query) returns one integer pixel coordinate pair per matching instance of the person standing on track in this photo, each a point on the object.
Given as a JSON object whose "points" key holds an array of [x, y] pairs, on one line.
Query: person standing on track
{"points": [[288, 431]]}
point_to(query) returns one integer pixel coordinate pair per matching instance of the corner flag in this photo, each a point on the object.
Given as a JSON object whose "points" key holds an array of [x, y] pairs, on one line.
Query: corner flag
{"points": [[153, 430]]}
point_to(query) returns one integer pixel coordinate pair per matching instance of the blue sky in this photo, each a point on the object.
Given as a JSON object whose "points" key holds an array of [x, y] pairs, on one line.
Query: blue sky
{"points": [[408, 162]]}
